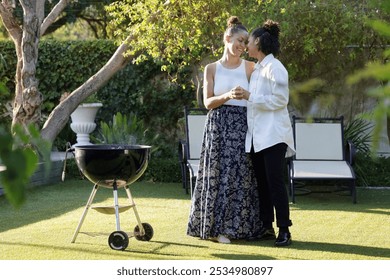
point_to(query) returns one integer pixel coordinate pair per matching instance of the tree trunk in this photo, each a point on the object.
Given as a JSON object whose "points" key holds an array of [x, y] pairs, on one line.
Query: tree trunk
{"points": [[28, 99], [14, 30], [58, 118], [54, 13]]}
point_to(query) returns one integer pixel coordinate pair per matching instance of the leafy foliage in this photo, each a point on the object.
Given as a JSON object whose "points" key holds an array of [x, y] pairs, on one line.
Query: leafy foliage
{"points": [[20, 154], [122, 130], [163, 170], [3, 80], [321, 40], [126, 130], [359, 132], [176, 35], [313, 29], [372, 171], [379, 71]]}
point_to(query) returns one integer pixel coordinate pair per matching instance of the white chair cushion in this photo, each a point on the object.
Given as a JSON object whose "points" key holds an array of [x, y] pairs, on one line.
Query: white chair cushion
{"points": [[196, 125], [319, 141], [322, 169]]}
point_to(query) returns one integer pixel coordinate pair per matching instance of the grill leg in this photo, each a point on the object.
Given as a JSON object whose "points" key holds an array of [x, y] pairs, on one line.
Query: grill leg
{"points": [[90, 200], [116, 205], [141, 228]]}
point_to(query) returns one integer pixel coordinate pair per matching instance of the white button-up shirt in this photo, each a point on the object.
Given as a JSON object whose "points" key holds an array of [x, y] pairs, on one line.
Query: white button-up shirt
{"points": [[268, 118]]}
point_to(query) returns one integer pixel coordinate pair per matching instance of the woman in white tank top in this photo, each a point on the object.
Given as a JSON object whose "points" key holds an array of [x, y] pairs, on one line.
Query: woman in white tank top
{"points": [[225, 200]]}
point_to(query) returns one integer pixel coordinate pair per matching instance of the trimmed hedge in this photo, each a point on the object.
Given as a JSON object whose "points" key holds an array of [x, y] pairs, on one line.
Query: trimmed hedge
{"points": [[142, 89], [372, 171]]}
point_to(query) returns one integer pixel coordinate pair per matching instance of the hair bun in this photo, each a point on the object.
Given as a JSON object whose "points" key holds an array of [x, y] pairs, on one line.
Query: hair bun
{"points": [[272, 27], [232, 21]]}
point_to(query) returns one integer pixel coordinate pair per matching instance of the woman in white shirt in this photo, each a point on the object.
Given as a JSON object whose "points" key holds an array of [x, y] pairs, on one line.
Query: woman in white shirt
{"points": [[269, 138], [224, 202]]}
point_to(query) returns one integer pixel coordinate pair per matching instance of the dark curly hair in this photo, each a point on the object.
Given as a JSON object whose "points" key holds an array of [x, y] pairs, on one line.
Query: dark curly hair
{"points": [[268, 36]]}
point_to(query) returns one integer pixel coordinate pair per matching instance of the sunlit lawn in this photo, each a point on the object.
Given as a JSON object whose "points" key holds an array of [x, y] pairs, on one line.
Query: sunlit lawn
{"points": [[326, 226]]}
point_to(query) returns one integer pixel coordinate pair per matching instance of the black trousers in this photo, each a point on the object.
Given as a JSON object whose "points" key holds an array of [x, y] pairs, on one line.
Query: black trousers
{"points": [[269, 165]]}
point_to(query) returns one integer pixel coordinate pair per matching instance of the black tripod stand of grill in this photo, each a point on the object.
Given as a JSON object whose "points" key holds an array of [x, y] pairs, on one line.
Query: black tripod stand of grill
{"points": [[114, 166]]}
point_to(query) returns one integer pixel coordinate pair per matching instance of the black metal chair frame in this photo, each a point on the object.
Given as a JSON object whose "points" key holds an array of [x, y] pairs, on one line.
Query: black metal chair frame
{"points": [[335, 156], [189, 149]]}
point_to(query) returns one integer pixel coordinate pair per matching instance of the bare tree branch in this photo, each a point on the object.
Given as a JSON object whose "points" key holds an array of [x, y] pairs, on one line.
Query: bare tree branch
{"points": [[10, 22], [60, 115], [53, 15]]}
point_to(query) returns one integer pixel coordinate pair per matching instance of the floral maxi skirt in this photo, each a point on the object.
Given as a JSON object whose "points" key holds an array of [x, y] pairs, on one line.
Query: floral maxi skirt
{"points": [[225, 198]]}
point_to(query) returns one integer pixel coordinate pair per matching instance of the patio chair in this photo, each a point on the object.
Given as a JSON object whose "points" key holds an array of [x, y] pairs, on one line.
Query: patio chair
{"points": [[189, 149], [321, 153]]}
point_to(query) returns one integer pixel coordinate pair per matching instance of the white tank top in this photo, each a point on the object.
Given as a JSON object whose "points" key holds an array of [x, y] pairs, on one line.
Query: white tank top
{"points": [[225, 79]]}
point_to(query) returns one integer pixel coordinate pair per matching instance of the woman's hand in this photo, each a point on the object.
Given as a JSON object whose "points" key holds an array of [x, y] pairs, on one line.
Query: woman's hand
{"points": [[239, 93]]}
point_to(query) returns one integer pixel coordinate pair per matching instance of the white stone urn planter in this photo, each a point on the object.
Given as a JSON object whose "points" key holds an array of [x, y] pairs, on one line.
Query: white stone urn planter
{"points": [[83, 122]]}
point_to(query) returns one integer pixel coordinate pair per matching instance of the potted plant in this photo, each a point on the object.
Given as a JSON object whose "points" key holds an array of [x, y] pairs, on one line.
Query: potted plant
{"points": [[123, 129]]}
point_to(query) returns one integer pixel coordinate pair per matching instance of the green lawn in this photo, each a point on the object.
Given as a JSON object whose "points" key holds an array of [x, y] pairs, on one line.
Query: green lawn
{"points": [[327, 226]]}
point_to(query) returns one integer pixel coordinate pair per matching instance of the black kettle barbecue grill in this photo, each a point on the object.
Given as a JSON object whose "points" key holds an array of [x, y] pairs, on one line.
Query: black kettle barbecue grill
{"points": [[114, 166]]}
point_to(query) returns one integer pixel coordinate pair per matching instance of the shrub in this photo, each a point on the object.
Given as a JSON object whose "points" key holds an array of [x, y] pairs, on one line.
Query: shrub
{"points": [[163, 170], [372, 171]]}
